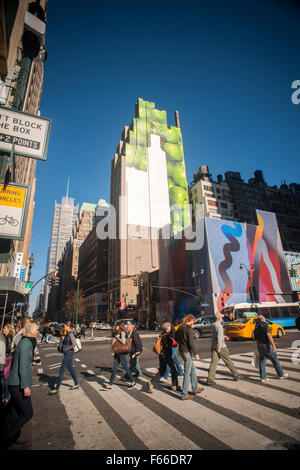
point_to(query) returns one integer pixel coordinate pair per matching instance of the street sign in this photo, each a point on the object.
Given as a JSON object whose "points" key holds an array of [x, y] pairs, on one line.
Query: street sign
{"points": [[14, 200], [28, 133], [28, 286]]}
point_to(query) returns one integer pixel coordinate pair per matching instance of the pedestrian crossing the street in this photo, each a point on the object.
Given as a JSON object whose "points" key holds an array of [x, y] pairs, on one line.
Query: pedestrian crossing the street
{"points": [[243, 415]]}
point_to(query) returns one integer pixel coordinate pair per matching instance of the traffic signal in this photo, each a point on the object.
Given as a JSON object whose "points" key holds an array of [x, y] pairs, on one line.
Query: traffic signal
{"points": [[140, 282], [135, 281]]}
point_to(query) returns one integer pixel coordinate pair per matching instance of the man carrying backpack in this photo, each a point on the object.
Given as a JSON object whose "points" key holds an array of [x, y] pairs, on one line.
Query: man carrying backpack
{"points": [[266, 349], [185, 339]]}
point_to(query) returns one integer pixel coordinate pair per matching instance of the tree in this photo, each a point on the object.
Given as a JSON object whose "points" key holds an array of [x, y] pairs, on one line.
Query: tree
{"points": [[70, 305]]}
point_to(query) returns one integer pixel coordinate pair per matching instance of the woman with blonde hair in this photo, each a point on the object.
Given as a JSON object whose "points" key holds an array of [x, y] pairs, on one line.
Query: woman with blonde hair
{"points": [[9, 333], [19, 381]]}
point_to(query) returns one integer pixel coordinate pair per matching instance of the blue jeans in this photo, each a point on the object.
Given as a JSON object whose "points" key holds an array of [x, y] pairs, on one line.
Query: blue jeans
{"points": [[189, 374], [267, 352], [176, 362], [117, 359], [135, 365], [67, 363]]}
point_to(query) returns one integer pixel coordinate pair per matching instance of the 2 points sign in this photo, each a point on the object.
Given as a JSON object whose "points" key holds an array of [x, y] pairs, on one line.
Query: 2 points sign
{"points": [[28, 134]]}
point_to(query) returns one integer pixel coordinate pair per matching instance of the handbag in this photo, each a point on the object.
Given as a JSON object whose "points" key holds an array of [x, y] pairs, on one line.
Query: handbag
{"points": [[77, 348], [120, 348], [157, 347], [255, 359], [60, 346], [7, 367]]}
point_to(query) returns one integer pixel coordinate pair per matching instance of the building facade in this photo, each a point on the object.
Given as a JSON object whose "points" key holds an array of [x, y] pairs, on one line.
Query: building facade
{"points": [[210, 198], [148, 192], [21, 81], [64, 219]]}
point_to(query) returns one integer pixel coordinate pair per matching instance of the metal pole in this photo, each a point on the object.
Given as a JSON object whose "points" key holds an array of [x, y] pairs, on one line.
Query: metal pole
{"points": [[77, 302], [12, 316], [4, 311]]}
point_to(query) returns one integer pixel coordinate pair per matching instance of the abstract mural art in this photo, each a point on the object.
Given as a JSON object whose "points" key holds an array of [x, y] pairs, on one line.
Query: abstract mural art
{"points": [[235, 261]]}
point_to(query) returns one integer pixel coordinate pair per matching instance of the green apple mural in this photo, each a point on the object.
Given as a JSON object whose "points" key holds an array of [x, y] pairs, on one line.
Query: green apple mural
{"points": [[149, 121]]}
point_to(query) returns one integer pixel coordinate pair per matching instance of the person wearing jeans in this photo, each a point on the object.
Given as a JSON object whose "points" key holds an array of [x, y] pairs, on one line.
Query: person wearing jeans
{"points": [[185, 339], [266, 349], [120, 334], [19, 408], [68, 346], [177, 364]]}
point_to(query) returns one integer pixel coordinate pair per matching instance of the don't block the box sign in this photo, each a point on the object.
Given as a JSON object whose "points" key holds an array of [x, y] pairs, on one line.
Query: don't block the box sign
{"points": [[14, 199], [28, 134]]}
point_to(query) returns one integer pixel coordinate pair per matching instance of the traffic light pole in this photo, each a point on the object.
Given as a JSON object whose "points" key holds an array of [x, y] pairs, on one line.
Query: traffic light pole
{"points": [[77, 302]]}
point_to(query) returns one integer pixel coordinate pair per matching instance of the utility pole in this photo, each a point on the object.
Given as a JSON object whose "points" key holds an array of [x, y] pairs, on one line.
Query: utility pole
{"points": [[77, 302]]}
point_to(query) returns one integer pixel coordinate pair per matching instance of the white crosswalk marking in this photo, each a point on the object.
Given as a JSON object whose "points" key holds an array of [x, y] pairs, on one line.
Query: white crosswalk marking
{"points": [[156, 433], [244, 415], [231, 433], [92, 432], [252, 389]]}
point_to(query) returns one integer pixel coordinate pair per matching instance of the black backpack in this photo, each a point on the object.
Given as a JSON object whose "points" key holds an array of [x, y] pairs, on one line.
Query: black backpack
{"points": [[260, 331]]}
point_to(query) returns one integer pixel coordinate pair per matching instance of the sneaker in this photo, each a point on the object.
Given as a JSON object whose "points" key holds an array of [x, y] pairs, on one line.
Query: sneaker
{"points": [[210, 382], [238, 377], [265, 380], [131, 386], [284, 376], [200, 389], [162, 380], [189, 397], [150, 387]]}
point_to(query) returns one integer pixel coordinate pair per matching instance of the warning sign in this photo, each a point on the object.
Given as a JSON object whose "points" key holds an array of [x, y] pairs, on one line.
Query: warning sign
{"points": [[13, 210], [28, 133]]}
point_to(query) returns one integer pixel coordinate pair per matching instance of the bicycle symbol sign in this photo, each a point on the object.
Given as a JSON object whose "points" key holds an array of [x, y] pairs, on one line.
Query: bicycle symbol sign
{"points": [[9, 220]]}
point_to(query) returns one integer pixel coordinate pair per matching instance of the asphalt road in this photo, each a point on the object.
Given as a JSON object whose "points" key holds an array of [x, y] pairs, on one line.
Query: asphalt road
{"points": [[51, 426]]}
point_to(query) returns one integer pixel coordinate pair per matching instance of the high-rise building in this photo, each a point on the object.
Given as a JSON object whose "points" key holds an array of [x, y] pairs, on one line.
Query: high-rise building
{"points": [[148, 192], [22, 54], [64, 219], [210, 198]]}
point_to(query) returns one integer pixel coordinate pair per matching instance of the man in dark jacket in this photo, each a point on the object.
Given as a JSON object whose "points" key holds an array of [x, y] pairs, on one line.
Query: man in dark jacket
{"points": [[185, 339], [135, 351]]}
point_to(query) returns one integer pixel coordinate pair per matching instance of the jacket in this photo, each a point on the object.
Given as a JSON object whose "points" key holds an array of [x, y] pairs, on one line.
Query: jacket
{"points": [[185, 339], [21, 369], [69, 342], [136, 343]]}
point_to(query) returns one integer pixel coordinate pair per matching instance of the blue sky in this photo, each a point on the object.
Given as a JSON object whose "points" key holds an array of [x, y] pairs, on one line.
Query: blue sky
{"points": [[227, 67]]}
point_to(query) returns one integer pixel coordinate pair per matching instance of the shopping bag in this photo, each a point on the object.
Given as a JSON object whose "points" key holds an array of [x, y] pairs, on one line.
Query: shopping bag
{"points": [[7, 366], [77, 348], [255, 359]]}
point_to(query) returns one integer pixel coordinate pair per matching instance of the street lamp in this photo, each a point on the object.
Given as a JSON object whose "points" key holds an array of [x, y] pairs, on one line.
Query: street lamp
{"points": [[198, 288]]}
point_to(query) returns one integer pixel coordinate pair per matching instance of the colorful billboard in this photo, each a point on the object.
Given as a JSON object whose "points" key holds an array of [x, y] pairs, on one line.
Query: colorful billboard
{"points": [[155, 170], [234, 262]]}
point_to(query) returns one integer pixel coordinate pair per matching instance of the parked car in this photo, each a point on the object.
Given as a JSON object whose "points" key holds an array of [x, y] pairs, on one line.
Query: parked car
{"points": [[96, 325], [105, 326], [244, 328], [58, 329], [202, 325]]}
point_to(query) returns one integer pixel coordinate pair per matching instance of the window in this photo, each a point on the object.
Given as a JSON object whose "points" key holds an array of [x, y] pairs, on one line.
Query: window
{"points": [[212, 203]]}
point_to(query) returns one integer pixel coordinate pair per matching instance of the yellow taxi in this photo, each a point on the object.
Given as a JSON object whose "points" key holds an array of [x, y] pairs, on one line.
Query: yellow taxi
{"points": [[244, 328]]}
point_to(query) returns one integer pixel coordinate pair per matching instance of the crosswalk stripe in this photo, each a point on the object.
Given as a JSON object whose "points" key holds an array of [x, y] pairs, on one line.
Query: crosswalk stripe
{"points": [[92, 432], [255, 390], [156, 433], [275, 419], [233, 434], [271, 373]]}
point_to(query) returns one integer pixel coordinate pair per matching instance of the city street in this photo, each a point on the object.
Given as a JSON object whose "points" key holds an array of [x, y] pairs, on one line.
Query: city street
{"points": [[245, 415]]}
